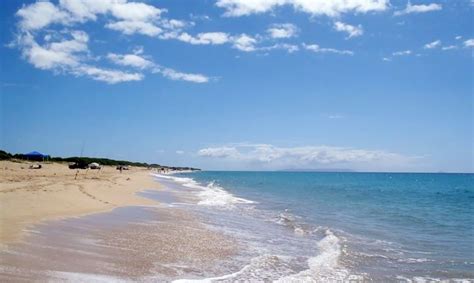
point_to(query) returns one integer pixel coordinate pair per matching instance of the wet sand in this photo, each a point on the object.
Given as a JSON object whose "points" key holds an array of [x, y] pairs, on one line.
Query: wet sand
{"points": [[131, 243]]}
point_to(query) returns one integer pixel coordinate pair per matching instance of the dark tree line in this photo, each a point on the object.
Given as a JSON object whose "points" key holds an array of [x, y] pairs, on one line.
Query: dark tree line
{"points": [[103, 161]]}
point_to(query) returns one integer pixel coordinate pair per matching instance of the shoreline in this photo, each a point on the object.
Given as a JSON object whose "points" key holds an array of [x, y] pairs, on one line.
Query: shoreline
{"points": [[132, 237], [199, 229], [32, 196]]}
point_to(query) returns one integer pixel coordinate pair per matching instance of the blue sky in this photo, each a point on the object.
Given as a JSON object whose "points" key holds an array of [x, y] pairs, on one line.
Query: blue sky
{"points": [[373, 85]]}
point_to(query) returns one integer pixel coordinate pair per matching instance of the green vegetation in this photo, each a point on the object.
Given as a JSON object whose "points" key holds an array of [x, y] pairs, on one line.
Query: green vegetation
{"points": [[5, 155], [103, 161]]}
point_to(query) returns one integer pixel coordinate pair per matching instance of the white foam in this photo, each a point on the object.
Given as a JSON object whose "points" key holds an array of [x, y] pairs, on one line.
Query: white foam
{"points": [[180, 180], [323, 267], [60, 276], [289, 220], [414, 260], [260, 269], [210, 195], [209, 280], [213, 195], [421, 279]]}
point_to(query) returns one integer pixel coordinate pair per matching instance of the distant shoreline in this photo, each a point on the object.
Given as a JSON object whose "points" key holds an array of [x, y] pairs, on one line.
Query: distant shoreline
{"points": [[327, 171], [4, 155]]}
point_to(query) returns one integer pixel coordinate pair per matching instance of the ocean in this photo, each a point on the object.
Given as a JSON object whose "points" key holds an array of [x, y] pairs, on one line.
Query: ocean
{"points": [[313, 227]]}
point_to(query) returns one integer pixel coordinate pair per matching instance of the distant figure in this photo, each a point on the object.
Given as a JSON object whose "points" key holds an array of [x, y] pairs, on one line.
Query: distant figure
{"points": [[121, 168]]}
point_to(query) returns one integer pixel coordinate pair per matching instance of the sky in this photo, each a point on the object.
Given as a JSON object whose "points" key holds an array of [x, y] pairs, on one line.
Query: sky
{"points": [[365, 85]]}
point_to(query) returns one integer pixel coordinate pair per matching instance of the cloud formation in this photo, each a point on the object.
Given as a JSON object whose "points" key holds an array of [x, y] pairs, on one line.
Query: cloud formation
{"points": [[205, 38], [417, 9], [67, 55], [402, 53], [137, 60], [270, 156], [449, 47], [245, 43], [334, 8], [317, 49], [431, 45], [282, 30], [352, 31], [242, 42], [469, 43], [65, 49]]}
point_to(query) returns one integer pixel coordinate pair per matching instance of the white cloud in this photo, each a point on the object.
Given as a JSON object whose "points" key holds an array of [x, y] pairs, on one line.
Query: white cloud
{"points": [[140, 18], [242, 42], [131, 60], [459, 37], [352, 31], [137, 61], [220, 152], [67, 52], [290, 48], [128, 17], [200, 17], [58, 55], [106, 75], [317, 49], [434, 44], [174, 24], [131, 27], [469, 43], [386, 59], [214, 38], [270, 156], [179, 76], [402, 53], [180, 152], [245, 43], [39, 15], [84, 10], [236, 8], [67, 56], [410, 9], [449, 47], [282, 30], [133, 11]]}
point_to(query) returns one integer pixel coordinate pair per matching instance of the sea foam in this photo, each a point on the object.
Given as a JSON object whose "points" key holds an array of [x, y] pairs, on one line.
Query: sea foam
{"points": [[323, 267], [210, 194]]}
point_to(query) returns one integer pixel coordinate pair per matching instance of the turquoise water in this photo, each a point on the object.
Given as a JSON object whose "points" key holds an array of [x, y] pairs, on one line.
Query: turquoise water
{"points": [[378, 226]]}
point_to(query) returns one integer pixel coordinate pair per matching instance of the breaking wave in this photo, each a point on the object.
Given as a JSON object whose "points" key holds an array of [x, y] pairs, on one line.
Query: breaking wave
{"points": [[209, 195], [323, 267]]}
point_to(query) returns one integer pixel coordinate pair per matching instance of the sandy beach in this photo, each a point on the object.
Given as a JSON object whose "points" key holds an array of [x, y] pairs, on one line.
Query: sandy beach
{"points": [[55, 226], [28, 196], [98, 226]]}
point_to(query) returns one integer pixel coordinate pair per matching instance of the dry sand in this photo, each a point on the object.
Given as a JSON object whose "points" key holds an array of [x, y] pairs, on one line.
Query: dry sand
{"points": [[28, 196]]}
